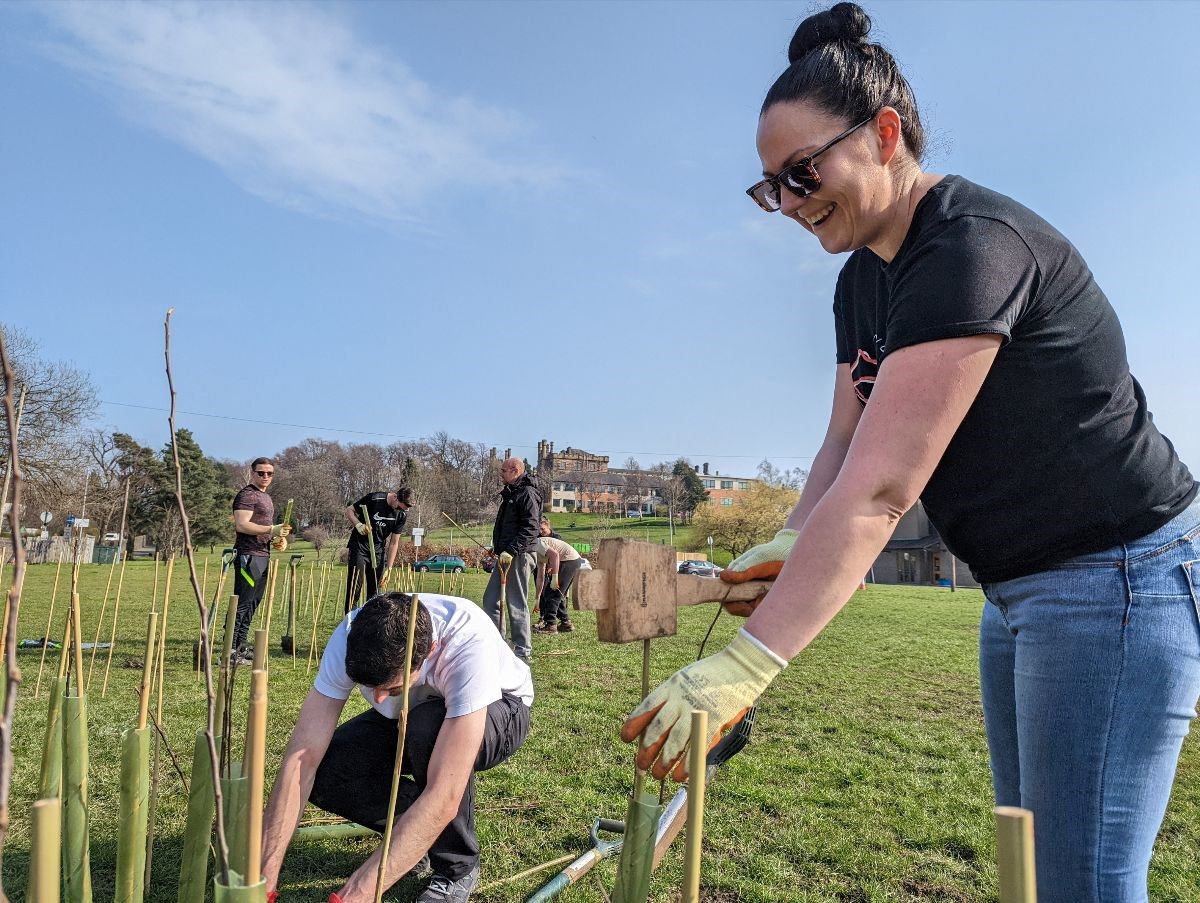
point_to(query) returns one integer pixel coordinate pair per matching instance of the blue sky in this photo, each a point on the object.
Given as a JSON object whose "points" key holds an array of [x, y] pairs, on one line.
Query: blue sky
{"points": [[514, 221]]}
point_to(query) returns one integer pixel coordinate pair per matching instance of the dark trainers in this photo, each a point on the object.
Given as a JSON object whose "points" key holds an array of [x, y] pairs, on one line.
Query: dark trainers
{"points": [[442, 890], [545, 628], [565, 627]]}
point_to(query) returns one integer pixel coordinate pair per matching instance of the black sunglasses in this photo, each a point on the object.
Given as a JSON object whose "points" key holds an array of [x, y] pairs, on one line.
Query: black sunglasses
{"points": [[801, 178], [265, 473]]}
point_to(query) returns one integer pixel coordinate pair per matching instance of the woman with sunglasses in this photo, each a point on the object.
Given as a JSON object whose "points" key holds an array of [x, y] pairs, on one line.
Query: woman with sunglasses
{"points": [[981, 370]]}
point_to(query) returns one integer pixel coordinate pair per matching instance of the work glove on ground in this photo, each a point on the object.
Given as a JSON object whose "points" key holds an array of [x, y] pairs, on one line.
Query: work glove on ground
{"points": [[506, 560], [361, 528], [763, 562], [724, 684], [280, 544]]}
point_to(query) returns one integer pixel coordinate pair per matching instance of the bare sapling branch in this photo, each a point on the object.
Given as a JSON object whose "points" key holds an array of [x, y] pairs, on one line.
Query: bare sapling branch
{"points": [[205, 641], [13, 682]]}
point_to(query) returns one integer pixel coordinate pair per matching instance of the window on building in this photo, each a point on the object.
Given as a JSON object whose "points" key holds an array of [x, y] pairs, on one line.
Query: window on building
{"points": [[726, 502], [710, 484], [727, 484], [557, 503], [743, 484]]}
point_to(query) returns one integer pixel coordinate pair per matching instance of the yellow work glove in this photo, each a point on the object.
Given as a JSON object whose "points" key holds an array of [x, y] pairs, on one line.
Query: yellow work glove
{"points": [[280, 530], [724, 684], [279, 544], [361, 528], [505, 560], [763, 562], [383, 581]]}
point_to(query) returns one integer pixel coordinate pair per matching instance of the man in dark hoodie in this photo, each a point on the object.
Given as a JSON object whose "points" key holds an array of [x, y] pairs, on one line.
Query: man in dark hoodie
{"points": [[514, 535]]}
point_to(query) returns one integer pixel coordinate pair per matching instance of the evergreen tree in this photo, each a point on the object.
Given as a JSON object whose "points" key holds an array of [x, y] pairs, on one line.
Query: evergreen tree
{"points": [[694, 493]]}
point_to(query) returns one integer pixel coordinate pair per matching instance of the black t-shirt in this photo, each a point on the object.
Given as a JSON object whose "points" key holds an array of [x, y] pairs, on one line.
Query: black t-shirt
{"points": [[1059, 455], [385, 520], [250, 498]]}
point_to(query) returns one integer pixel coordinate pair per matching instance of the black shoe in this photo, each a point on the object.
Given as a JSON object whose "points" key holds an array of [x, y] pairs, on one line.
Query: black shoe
{"points": [[442, 890], [421, 869], [565, 627], [545, 627]]}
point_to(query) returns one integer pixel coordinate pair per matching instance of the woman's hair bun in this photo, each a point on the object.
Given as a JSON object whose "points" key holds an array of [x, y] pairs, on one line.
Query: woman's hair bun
{"points": [[842, 22]]}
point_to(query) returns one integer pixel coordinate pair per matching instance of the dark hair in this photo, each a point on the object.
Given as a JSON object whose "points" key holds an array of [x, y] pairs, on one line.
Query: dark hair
{"points": [[257, 461], [379, 636], [833, 66], [404, 496]]}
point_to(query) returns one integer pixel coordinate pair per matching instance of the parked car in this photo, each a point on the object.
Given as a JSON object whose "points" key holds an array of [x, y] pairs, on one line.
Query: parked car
{"points": [[442, 563], [699, 568]]}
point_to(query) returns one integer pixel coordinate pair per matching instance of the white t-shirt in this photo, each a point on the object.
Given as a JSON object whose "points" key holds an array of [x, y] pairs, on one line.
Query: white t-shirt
{"points": [[566, 552], [470, 665]]}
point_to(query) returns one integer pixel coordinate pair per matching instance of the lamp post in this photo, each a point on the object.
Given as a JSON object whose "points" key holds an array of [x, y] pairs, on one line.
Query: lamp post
{"points": [[710, 551]]}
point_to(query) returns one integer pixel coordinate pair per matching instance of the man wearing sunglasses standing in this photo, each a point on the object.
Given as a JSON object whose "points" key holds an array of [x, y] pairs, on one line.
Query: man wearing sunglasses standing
{"points": [[256, 534]]}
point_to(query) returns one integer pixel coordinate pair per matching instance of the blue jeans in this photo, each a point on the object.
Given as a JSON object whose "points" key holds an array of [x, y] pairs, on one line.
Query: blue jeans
{"points": [[1091, 674]]}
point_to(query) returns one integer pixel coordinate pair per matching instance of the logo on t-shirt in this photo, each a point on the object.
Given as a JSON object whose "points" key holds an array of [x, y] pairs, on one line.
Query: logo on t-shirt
{"points": [[863, 375]]}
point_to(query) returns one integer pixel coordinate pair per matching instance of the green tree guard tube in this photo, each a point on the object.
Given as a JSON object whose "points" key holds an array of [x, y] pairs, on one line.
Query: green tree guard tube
{"points": [[134, 818], [76, 862]]}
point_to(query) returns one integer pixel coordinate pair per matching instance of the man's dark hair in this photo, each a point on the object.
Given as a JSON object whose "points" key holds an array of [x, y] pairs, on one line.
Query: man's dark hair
{"points": [[257, 461], [378, 638], [404, 496]]}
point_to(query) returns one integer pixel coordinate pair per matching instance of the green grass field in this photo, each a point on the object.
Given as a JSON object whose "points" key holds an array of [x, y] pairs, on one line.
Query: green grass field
{"points": [[866, 779]]}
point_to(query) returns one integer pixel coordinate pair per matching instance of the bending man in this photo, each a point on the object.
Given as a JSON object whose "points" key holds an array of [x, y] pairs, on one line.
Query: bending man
{"points": [[468, 711], [387, 512]]}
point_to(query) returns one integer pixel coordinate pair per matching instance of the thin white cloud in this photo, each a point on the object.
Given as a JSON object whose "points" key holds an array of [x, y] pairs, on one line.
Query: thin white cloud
{"points": [[294, 106]]}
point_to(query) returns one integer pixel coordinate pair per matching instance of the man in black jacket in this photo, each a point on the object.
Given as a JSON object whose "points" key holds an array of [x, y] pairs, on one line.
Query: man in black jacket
{"points": [[514, 535]]}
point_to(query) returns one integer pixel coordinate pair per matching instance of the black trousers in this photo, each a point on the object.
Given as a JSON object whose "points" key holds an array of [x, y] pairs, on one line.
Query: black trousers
{"points": [[354, 780], [359, 573], [249, 583], [553, 602]]}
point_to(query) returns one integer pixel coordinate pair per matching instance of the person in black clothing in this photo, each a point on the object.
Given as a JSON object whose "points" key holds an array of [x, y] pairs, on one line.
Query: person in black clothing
{"points": [[513, 536], [254, 537], [387, 512], [981, 370]]}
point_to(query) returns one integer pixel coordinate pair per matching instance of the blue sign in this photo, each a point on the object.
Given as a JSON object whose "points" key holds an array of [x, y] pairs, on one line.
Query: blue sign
{"points": [[70, 520]]}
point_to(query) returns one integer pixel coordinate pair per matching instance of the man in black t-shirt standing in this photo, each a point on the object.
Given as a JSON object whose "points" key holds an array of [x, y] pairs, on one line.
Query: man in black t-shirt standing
{"points": [[255, 535], [387, 512]]}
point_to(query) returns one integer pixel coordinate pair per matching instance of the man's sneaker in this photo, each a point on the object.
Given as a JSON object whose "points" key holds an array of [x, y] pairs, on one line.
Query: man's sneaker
{"points": [[442, 890], [565, 627], [421, 869], [545, 628]]}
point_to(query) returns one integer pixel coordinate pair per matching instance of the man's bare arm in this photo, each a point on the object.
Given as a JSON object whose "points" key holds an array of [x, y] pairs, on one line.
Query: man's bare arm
{"points": [[415, 831], [243, 524], [314, 727]]}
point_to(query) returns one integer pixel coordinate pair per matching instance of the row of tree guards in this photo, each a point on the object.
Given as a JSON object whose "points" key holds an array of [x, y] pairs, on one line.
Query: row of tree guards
{"points": [[59, 860]]}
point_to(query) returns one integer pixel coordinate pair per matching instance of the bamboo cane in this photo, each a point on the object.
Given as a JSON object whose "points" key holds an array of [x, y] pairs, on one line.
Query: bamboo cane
{"points": [[76, 817], [1015, 855], [108, 586], [256, 750], [45, 854], [49, 621], [266, 625], [135, 780], [224, 681], [159, 678], [396, 768], [112, 639], [697, 766]]}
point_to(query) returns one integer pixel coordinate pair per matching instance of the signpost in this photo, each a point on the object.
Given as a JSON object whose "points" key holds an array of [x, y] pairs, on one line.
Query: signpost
{"points": [[418, 533]]}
